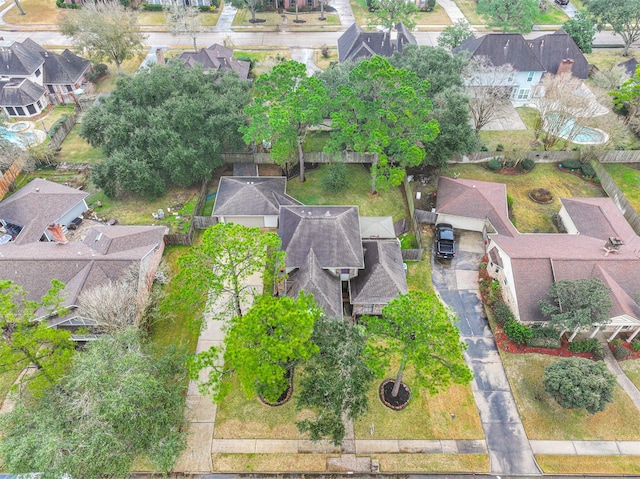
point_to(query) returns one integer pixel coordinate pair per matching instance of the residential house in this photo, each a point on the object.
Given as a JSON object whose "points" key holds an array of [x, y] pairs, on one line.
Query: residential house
{"points": [[356, 44], [33, 77], [530, 59], [599, 244], [35, 248], [168, 3], [629, 66], [217, 58]]}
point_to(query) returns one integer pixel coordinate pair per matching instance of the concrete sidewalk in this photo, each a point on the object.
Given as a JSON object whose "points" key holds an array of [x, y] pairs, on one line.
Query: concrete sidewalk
{"points": [[624, 382]]}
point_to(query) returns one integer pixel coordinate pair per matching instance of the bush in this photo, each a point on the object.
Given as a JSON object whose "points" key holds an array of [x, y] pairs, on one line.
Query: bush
{"points": [[544, 342], [509, 201], [517, 332], [325, 51], [635, 345], [152, 7], [598, 354], [558, 223], [335, 177], [484, 148], [502, 312], [541, 331], [528, 164], [571, 164], [99, 70], [499, 147], [620, 352], [587, 170], [494, 165], [72, 6], [584, 345], [579, 383]]}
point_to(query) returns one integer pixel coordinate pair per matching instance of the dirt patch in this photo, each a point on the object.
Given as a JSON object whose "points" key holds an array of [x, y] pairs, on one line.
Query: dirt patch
{"points": [[269, 170]]}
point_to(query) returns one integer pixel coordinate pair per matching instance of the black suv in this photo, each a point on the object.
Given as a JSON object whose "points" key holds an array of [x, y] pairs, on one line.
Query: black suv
{"points": [[445, 244], [562, 2]]}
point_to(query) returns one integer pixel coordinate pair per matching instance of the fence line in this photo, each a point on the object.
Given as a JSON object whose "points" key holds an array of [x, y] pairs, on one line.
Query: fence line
{"points": [[186, 239], [62, 132], [9, 177], [614, 192]]}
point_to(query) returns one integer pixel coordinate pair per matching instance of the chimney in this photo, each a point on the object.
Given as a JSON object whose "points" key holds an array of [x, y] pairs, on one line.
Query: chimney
{"points": [[565, 66], [160, 56], [55, 230], [393, 36]]}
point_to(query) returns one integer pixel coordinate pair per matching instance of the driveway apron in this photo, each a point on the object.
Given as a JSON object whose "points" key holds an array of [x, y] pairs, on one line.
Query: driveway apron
{"points": [[456, 282]]}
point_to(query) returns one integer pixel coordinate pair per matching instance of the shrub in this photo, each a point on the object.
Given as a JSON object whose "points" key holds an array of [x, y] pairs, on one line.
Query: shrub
{"points": [[509, 201], [325, 51], [499, 147], [584, 345], [544, 342], [98, 72], [484, 148], [571, 164], [335, 177], [620, 352], [635, 345], [528, 164], [494, 165], [517, 332], [616, 342], [558, 223], [587, 170], [502, 312], [579, 383], [61, 4], [152, 7], [598, 353], [540, 331]]}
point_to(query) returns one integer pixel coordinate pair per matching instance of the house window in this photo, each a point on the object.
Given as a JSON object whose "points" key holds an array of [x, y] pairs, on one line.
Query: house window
{"points": [[31, 109], [524, 94], [531, 75], [39, 104], [69, 87], [367, 308], [37, 73], [510, 78], [20, 111], [11, 111], [51, 90], [309, 3]]}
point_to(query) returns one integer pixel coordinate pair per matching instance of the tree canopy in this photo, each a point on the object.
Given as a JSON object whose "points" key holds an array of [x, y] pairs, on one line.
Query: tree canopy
{"points": [[622, 15], [262, 346], [510, 15], [383, 111], [165, 126], [219, 266], [627, 97], [106, 31], [388, 13], [285, 105], [335, 380], [453, 35], [579, 304], [185, 20], [420, 331], [118, 402], [582, 29], [251, 5], [579, 383]]}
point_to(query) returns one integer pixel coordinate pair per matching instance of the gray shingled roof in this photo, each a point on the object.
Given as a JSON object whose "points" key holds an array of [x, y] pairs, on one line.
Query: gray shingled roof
{"points": [[502, 49], [25, 207], [383, 277], [325, 286], [629, 66], [377, 227], [552, 48], [332, 232], [64, 69], [19, 92], [355, 43], [217, 57], [249, 195], [20, 59]]}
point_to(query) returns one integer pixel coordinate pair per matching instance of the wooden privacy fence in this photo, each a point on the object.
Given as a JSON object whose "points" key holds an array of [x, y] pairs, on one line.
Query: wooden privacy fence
{"points": [[412, 254], [311, 157], [186, 239], [9, 177], [616, 194], [62, 132]]}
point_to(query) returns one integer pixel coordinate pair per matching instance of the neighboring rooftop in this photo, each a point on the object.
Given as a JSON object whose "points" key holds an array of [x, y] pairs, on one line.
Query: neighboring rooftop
{"points": [[251, 196], [217, 57], [355, 43]]}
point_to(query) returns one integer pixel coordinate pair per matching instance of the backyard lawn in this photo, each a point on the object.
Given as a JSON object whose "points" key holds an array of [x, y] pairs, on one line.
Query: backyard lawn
{"points": [[544, 418], [530, 217], [74, 149], [628, 180], [385, 203]]}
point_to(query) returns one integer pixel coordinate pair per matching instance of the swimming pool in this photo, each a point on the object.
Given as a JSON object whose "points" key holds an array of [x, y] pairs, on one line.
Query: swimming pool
{"points": [[585, 135], [21, 140]]}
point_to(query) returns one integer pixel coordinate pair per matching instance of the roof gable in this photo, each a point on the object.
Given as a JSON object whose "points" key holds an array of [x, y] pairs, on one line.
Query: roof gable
{"points": [[249, 195], [66, 68], [502, 49], [553, 48], [355, 43], [383, 277]]}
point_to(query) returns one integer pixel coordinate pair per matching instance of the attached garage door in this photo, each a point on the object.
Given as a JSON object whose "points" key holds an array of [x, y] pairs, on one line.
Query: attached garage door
{"points": [[246, 220]]}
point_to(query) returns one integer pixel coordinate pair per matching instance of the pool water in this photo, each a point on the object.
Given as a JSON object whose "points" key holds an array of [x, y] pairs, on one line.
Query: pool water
{"points": [[585, 135], [21, 140]]}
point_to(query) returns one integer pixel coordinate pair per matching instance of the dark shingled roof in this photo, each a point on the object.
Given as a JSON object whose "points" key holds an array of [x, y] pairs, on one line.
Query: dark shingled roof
{"points": [[629, 66], [355, 43], [551, 49], [502, 49], [65, 69], [217, 57], [383, 277], [325, 286], [332, 232], [251, 195], [20, 59], [19, 92], [25, 207]]}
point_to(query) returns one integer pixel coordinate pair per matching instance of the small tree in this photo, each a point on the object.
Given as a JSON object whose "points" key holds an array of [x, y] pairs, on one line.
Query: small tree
{"points": [[622, 15], [251, 5], [335, 380], [510, 15], [579, 304], [419, 330], [453, 35], [107, 31], [389, 13], [627, 97], [579, 383], [262, 347], [218, 267], [185, 20], [323, 4], [582, 28]]}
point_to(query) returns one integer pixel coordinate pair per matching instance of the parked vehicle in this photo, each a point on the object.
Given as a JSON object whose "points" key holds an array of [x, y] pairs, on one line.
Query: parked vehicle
{"points": [[445, 241], [562, 3]]}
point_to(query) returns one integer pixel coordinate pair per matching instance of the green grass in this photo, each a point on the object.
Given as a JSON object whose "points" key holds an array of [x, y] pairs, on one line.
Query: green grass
{"points": [[469, 9], [278, 463], [631, 368], [606, 58], [531, 217], [360, 12], [408, 241], [544, 418], [274, 19], [628, 180], [437, 17], [437, 463], [7, 379], [74, 149], [605, 465], [55, 114], [528, 115], [385, 203], [553, 16], [315, 141]]}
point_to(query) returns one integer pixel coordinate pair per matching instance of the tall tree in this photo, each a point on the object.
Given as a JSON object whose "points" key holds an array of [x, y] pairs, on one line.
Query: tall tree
{"points": [[30, 343], [622, 15], [251, 5], [582, 29], [383, 111], [418, 330], [106, 31], [184, 20], [262, 347], [510, 15], [453, 35], [168, 125], [627, 98], [335, 380], [388, 13], [579, 304], [323, 4], [219, 266], [119, 401], [286, 104]]}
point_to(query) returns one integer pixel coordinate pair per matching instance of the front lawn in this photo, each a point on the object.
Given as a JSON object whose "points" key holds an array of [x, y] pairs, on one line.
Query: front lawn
{"points": [[631, 368], [273, 19], [553, 16], [628, 180], [385, 203], [605, 465], [436, 463], [530, 217], [37, 12], [277, 463], [544, 418]]}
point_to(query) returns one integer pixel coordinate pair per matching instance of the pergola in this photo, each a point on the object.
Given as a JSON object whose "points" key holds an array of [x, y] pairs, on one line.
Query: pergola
{"points": [[624, 322]]}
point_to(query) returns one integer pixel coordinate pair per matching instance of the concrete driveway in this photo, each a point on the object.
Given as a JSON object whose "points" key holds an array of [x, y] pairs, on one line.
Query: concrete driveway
{"points": [[456, 282]]}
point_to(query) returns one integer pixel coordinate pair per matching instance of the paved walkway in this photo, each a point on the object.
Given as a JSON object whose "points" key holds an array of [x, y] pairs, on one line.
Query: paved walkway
{"points": [[345, 13], [305, 55], [452, 10], [226, 18], [457, 284]]}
